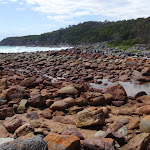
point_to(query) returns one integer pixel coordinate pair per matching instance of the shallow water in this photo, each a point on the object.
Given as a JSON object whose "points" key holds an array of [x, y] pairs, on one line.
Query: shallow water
{"points": [[131, 88], [20, 49]]}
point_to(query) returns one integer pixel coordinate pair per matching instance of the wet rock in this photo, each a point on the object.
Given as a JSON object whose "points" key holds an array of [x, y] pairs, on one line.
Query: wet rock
{"points": [[90, 117], [62, 142], [15, 93], [63, 104], [22, 106], [24, 143], [32, 116], [12, 124], [118, 92], [70, 90], [36, 101], [145, 124], [73, 131], [98, 143]]}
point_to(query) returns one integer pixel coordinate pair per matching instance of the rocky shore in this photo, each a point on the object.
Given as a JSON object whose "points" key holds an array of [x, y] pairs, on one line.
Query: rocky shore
{"points": [[47, 101]]}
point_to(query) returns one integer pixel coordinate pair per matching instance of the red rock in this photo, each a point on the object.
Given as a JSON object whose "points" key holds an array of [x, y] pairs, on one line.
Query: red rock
{"points": [[63, 104], [46, 113], [15, 93], [117, 91], [62, 142], [36, 100], [12, 124]]}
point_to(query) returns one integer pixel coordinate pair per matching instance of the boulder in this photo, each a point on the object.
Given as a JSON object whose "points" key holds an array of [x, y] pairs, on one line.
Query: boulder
{"points": [[15, 93], [90, 117], [63, 104], [117, 91], [12, 124], [62, 142], [98, 143], [108, 98]]}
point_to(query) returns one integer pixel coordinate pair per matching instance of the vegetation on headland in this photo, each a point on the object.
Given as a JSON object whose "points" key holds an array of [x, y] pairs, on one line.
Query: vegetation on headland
{"points": [[126, 32]]}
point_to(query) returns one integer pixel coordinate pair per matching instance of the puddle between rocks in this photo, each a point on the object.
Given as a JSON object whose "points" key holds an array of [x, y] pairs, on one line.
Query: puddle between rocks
{"points": [[131, 88]]}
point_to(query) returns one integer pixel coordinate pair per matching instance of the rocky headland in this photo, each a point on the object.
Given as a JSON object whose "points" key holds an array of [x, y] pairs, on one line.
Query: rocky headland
{"points": [[60, 100]]}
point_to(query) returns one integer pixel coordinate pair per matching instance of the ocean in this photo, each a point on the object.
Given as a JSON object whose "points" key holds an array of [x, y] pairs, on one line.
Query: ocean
{"points": [[20, 49]]}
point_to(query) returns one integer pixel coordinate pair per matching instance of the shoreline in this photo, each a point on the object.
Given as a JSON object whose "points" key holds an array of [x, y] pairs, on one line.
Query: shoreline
{"points": [[47, 94]]}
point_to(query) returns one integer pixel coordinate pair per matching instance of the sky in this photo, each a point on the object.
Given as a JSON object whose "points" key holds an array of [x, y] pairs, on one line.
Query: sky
{"points": [[29, 17]]}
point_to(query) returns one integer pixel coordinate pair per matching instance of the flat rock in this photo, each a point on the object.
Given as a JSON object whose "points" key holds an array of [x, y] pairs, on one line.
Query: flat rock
{"points": [[90, 117]]}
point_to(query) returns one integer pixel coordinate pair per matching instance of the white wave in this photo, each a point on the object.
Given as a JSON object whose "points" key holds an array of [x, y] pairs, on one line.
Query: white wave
{"points": [[20, 49]]}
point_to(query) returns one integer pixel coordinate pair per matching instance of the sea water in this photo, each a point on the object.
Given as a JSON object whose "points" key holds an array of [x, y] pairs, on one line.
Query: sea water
{"points": [[20, 49]]}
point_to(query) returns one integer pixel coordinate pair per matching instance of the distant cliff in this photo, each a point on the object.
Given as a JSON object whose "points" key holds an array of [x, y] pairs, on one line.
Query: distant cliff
{"points": [[126, 32]]}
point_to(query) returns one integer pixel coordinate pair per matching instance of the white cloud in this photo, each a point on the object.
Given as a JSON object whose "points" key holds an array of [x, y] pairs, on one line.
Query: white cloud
{"points": [[67, 10]]}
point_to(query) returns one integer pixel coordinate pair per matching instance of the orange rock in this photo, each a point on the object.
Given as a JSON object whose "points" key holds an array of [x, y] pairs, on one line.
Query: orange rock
{"points": [[62, 142]]}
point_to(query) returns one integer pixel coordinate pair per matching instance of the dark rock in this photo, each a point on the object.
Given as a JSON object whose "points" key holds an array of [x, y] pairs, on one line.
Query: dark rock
{"points": [[36, 100]]}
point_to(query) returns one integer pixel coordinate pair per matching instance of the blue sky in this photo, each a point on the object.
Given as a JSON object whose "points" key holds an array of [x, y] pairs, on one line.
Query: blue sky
{"points": [[27, 17]]}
